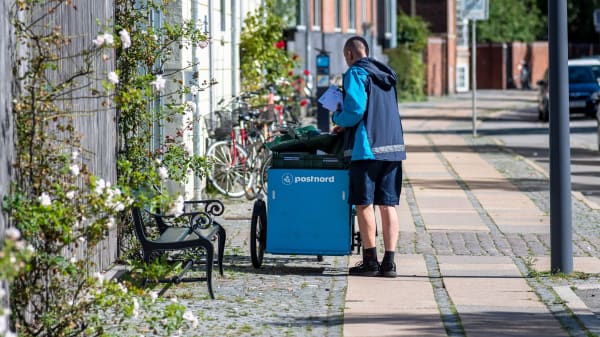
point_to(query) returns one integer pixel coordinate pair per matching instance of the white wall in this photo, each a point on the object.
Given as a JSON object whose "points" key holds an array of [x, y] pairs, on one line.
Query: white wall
{"points": [[219, 61]]}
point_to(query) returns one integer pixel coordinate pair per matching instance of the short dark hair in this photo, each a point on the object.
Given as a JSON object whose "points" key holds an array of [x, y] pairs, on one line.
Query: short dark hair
{"points": [[351, 43]]}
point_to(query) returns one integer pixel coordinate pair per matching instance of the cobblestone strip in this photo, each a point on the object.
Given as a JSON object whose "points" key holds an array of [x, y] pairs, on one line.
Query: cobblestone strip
{"points": [[450, 318]]}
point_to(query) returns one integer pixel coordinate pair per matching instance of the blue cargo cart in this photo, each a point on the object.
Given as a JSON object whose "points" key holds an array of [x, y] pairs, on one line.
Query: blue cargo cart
{"points": [[306, 211]]}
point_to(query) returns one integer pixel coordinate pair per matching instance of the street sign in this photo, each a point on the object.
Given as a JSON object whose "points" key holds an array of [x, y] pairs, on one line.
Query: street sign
{"points": [[597, 19], [475, 9]]}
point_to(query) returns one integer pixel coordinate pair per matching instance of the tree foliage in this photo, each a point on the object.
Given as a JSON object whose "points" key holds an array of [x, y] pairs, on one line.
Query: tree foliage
{"points": [[511, 20], [263, 58], [407, 58], [580, 20]]}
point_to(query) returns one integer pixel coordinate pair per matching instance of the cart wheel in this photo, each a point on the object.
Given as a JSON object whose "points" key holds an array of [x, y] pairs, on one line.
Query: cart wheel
{"points": [[320, 258], [258, 233]]}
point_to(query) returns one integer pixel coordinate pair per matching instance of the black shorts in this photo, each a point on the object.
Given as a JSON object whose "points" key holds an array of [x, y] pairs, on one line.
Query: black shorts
{"points": [[375, 182]]}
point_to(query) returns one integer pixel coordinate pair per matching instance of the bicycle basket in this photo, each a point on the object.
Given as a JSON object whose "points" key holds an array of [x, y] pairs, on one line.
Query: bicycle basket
{"points": [[220, 126]]}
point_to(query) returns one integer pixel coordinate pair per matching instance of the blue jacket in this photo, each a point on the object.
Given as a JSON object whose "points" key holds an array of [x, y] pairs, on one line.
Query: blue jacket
{"points": [[370, 116]]}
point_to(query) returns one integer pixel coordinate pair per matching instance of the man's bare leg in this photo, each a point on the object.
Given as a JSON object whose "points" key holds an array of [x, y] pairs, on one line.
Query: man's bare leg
{"points": [[390, 226], [367, 226]]}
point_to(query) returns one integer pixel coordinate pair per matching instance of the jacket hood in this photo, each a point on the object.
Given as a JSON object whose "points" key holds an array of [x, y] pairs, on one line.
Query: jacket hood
{"points": [[382, 75]]}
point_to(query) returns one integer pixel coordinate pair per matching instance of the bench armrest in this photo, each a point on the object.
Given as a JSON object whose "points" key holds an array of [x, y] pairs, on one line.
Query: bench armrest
{"points": [[213, 207], [193, 220]]}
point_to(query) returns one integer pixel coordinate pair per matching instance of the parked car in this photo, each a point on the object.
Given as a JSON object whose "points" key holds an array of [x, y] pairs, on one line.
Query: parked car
{"points": [[584, 88]]}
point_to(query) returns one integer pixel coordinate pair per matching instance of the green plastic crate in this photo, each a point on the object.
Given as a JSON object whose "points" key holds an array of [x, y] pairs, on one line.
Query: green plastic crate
{"points": [[307, 161]]}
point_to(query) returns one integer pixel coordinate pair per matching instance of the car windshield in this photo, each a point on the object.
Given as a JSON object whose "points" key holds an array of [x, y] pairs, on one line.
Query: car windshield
{"points": [[583, 74]]}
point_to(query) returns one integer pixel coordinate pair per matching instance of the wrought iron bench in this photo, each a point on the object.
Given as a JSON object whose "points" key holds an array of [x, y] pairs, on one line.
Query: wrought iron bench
{"points": [[195, 229]]}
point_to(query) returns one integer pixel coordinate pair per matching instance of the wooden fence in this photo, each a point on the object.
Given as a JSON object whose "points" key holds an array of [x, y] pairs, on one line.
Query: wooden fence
{"points": [[96, 123]]}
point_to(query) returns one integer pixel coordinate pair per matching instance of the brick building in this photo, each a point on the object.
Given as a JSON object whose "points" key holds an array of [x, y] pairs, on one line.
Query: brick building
{"points": [[322, 26], [448, 55]]}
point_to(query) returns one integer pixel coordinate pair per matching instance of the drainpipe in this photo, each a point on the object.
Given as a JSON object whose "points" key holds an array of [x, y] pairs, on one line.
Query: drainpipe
{"points": [[196, 114], [211, 64], [235, 60], [308, 38]]}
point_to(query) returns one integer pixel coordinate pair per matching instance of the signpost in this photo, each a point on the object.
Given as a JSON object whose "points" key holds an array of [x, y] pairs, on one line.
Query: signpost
{"points": [[474, 10]]}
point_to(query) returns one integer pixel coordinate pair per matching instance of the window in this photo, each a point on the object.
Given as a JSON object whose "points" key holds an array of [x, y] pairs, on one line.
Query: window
{"points": [[388, 17], [352, 14], [300, 21], [338, 14], [223, 16], [316, 14], [462, 75]]}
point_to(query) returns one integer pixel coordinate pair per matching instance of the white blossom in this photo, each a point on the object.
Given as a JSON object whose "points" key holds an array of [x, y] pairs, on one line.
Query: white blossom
{"points": [[158, 161], [74, 169], [98, 41], [163, 173], [73, 260], [82, 239], [70, 195], [159, 83], [74, 155], [45, 199], [119, 207], [122, 288], [99, 277], [190, 106], [153, 295], [110, 223], [113, 77], [136, 307], [108, 38], [194, 90], [20, 245], [100, 186], [14, 234], [29, 248], [155, 37], [203, 44], [125, 39], [176, 208], [189, 316]]}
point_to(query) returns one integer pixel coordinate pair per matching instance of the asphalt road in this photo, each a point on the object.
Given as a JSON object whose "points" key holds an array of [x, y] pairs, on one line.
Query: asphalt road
{"points": [[519, 130]]}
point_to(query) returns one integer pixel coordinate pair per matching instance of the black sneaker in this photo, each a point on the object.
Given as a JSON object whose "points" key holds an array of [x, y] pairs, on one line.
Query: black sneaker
{"points": [[364, 269], [388, 269]]}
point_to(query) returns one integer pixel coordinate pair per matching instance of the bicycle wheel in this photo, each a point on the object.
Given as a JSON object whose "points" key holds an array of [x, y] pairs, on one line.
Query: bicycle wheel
{"points": [[228, 170], [258, 233], [263, 176]]}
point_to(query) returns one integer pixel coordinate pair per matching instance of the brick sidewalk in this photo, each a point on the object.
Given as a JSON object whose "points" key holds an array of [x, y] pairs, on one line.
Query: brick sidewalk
{"points": [[473, 239]]}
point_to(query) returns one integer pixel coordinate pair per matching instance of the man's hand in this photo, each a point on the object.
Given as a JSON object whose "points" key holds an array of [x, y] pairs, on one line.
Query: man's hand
{"points": [[337, 129]]}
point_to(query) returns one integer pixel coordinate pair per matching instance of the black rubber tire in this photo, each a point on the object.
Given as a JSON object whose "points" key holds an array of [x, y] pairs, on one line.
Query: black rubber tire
{"points": [[258, 233]]}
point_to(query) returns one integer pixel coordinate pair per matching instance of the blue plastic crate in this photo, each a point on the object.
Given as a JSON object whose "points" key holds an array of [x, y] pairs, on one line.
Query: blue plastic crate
{"points": [[308, 212]]}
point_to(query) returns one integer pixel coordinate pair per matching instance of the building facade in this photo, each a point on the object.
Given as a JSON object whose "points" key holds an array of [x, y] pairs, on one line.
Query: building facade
{"points": [[323, 26]]}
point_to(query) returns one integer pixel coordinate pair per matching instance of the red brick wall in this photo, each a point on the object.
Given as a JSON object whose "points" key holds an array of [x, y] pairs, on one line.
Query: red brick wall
{"points": [[436, 65], [519, 54], [539, 61]]}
